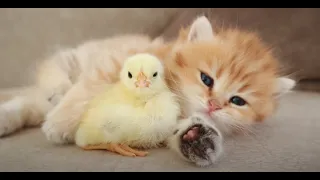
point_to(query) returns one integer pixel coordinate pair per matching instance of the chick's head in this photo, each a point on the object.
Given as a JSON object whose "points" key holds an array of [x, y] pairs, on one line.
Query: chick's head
{"points": [[143, 74]]}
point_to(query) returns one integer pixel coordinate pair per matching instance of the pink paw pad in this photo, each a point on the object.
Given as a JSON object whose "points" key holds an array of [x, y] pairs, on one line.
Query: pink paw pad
{"points": [[192, 134]]}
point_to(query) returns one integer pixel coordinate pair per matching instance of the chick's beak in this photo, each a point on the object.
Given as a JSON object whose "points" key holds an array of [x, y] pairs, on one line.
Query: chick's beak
{"points": [[142, 81]]}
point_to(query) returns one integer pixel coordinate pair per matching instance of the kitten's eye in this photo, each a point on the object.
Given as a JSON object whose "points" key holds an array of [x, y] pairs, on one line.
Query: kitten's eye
{"points": [[207, 80], [237, 101], [129, 75], [155, 74]]}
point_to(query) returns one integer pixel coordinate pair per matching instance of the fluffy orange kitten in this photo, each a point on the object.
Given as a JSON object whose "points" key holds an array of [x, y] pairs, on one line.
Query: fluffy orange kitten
{"points": [[225, 79]]}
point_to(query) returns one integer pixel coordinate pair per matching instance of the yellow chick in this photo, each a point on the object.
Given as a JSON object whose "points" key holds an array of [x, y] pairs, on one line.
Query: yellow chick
{"points": [[139, 111]]}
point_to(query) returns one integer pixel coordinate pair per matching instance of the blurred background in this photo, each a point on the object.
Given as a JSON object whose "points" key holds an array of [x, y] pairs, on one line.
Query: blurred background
{"points": [[27, 35]]}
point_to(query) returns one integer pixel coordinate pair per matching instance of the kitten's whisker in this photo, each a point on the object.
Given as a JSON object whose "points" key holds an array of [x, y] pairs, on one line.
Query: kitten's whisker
{"points": [[254, 136], [174, 89], [173, 80], [245, 128], [230, 121], [178, 93], [201, 101]]}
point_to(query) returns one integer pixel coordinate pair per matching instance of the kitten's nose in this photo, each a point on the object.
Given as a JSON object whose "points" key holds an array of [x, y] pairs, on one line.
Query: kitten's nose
{"points": [[213, 105]]}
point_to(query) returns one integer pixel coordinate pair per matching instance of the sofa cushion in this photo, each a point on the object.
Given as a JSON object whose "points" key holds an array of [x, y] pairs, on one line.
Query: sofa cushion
{"points": [[289, 141], [27, 35]]}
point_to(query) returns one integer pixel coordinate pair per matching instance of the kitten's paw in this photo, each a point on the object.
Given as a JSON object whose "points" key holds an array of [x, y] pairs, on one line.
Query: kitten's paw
{"points": [[56, 134], [199, 144], [56, 93], [198, 141], [57, 131]]}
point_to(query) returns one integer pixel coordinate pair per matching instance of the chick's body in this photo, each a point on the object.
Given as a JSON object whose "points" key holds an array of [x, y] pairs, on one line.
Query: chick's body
{"points": [[138, 113]]}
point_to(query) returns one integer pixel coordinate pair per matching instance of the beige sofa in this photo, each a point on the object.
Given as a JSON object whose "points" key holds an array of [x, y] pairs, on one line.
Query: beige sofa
{"points": [[289, 141]]}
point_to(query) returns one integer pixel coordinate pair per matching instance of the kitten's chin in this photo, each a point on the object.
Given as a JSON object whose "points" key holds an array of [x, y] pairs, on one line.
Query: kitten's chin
{"points": [[219, 118], [228, 125], [215, 118]]}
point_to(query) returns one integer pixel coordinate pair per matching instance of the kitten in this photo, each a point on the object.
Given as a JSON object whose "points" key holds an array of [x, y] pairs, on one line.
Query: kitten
{"points": [[233, 77], [225, 79], [228, 75]]}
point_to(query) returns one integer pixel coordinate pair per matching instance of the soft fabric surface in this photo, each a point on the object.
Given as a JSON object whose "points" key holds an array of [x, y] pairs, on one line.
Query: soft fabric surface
{"points": [[289, 141]]}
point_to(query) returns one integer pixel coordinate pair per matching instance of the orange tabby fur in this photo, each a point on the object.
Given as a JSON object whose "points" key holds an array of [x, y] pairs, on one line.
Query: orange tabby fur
{"points": [[239, 62]]}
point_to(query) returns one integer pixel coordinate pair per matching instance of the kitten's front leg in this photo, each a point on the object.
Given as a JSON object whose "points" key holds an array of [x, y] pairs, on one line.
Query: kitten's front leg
{"points": [[53, 75], [197, 140], [61, 122]]}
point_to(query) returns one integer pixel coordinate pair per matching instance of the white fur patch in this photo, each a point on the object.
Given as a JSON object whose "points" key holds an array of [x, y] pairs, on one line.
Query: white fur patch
{"points": [[11, 117]]}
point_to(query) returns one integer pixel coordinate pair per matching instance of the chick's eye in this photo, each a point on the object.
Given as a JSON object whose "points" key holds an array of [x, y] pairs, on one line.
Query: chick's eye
{"points": [[129, 75], [155, 74], [237, 101], [207, 80]]}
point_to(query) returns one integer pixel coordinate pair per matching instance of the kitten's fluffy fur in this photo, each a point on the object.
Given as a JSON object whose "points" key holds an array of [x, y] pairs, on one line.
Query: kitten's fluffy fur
{"points": [[239, 63]]}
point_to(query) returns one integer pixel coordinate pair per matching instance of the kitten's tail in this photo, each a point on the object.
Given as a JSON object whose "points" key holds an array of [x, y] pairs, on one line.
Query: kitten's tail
{"points": [[21, 107]]}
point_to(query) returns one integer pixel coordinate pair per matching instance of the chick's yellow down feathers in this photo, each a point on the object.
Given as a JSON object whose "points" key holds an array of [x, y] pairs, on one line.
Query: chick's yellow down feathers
{"points": [[138, 111]]}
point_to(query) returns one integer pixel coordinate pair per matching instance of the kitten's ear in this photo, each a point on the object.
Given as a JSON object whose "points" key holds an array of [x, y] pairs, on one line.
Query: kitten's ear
{"points": [[200, 29], [283, 86]]}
